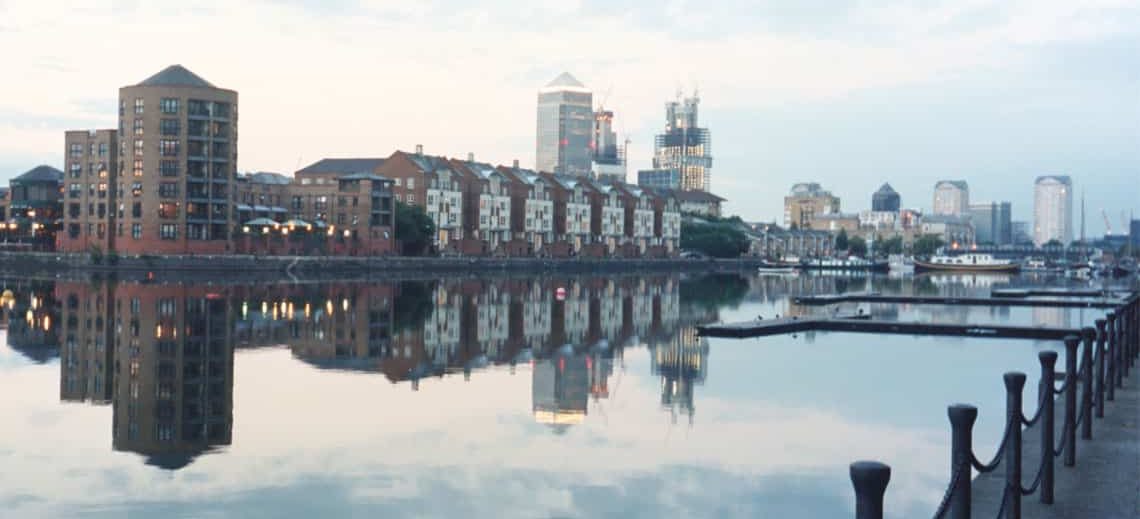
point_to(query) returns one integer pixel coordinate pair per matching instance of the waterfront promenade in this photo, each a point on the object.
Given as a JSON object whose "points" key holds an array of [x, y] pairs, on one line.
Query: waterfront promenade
{"points": [[1104, 483]]}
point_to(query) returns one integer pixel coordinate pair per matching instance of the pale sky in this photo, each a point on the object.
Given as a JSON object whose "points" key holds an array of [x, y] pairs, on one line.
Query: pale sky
{"points": [[846, 93]]}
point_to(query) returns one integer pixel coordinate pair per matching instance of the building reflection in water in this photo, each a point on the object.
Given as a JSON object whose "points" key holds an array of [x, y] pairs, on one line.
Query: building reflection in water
{"points": [[161, 356]]}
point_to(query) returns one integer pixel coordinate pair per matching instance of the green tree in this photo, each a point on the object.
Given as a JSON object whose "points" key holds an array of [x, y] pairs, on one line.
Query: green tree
{"points": [[927, 244], [1054, 243], [857, 246], [892, 245], [414, 229], [841, 241], [412, 305], [719, 240]]}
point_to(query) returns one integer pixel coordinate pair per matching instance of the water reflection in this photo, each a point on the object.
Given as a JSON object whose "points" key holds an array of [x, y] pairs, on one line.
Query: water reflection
{"points": [[161, 356]]}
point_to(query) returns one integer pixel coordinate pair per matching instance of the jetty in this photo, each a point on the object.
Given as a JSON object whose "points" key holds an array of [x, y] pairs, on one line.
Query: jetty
{"points": [[1054, 300]]}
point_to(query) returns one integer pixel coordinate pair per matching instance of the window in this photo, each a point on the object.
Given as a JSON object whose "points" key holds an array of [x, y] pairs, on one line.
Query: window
{"points": [[398, 197], [221, 110], [168, 105], [411, 183], [139, 147], [74, 190], [138, 126], [136, 230], [168, 231], [138, 168], [136, 188], [136, 210], [340, 219], [73, 210], [297, 203], [168, 147], [168, 210], [170, 127], [399, 182], [411, 198], [73, 231], [168, 190], [138, 105], [76, 169], [102, 149], [168, 168], [76, 150]]}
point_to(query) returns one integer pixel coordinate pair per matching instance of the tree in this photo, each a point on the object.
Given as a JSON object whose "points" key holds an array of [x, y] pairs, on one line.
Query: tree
{"points": [[927, 244], [892, 245], [719, 240], [841, 241], [1054, 243], [857, 246], [414, 229]]}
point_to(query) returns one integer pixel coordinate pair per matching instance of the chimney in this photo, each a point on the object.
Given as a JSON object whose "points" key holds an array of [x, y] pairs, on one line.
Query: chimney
{"points": [[419, 149], [516, 163], [470, 157]]}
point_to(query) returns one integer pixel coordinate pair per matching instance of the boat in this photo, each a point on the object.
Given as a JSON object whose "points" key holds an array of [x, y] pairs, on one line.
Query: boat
{"points": [[849, 264], [1039, 265], [900, 264], [776, 268], [1124, 268], [966, 263]]}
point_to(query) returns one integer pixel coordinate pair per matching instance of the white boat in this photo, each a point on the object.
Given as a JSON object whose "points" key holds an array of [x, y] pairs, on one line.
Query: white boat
{"points": [[1038, 265], [899, 264], [776, 268], [966, 263]]}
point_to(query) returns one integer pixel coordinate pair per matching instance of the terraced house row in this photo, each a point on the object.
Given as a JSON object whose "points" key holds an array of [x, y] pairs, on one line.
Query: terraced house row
{"points": [[165, 181]]}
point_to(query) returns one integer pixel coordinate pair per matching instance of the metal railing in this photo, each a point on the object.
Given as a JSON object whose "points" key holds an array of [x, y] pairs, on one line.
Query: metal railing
{"points": [[1110, 350]]}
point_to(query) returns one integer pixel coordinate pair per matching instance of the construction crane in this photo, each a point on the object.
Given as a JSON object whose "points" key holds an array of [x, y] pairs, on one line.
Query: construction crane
{"points": [[1107, 224]]}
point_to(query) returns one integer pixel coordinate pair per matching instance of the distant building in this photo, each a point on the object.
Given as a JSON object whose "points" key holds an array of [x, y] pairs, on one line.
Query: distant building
{"points": [[951, 197], [886, 199], [684, 147], [659, 178], [955, 231], [1021, 233], [90, 218], [878, 220], [1135, 232], [805, 202], [565, 142], [34, 207], [834, 222], [609, 156], [1053, 209], [697, 202], [992, 223]]}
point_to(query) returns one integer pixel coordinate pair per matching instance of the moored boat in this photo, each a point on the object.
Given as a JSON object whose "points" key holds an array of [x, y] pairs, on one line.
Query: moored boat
{"points": [[966, 263], [849, 264]]}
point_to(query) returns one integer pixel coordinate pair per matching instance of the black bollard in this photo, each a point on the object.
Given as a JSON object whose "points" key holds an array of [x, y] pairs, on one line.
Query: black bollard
{"points": [[1014, 383], [1048, 364], [1070, 428], [1087, 384], [962, 418], [1113, 355], [1100, 363], [870, 480]]}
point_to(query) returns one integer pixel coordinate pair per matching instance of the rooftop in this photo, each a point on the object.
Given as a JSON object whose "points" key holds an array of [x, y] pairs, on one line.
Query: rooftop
{"points": [[344, 166], [266, 177], [886, 189], [565, 83], [41, 173], [176, 75], [1062, 179], [960, 184]]}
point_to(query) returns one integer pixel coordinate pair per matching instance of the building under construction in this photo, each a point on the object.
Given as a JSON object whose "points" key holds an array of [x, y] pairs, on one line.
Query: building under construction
{"points": [[684, 147]]}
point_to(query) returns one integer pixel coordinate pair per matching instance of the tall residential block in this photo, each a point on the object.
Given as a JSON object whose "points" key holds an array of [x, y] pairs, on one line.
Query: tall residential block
{"points": [[684, 146], [951, 197], [1052, 209], [885, 200], [807, 201], [91, 212], [565, 143], [176, 165]]}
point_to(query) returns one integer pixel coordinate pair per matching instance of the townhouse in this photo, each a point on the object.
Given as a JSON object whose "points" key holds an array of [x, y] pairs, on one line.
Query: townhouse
{"points": [[532, 212], [434, 184]]}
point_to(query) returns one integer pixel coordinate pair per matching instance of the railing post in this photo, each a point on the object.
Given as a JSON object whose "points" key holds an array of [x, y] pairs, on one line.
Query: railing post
{"points": [[1111, 327], [1121, 352], [962, 418], [1087, 383], [1048, 364], [870, 480], [1014, 384], [1070, 434], [1101, 361]]}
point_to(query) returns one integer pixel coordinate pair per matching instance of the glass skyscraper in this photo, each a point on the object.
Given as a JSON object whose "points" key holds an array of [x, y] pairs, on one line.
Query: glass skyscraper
{"points": [[684, 146], [565, 143]]}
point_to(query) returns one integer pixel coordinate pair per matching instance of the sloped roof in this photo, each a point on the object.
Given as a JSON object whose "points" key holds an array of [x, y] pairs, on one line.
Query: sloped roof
{"points": [[960, 184], [41, 173], [344, 166], [176, 75], [702, 197], [886, 189], [565, 83], [266, 177]]}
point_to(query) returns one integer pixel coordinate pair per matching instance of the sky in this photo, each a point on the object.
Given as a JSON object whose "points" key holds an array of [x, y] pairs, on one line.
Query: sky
{"points": [[849, 94]]}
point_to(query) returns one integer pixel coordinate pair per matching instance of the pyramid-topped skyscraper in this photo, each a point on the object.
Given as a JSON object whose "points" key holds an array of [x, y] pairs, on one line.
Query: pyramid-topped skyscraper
{"points": [[564, 138]]}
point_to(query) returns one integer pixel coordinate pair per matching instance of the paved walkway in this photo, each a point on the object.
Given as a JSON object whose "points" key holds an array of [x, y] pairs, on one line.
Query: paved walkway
{"points": [[1104, 484]]}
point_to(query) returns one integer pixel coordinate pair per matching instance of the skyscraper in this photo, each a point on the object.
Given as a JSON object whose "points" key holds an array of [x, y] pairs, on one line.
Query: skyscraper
{"points": [[992, 223], [565, 143], [886, 199], [609, 156], [951, 197], [685, 146], [177, 164], [1052, 209]]}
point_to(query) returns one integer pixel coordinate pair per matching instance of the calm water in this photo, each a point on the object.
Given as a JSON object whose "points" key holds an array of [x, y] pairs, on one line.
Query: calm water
{"points": [[483, 398]]}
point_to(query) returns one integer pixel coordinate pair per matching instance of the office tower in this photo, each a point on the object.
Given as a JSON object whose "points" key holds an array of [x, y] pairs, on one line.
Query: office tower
{"points": [[992, 223], [1052, 210], [565, 127], [684, 146], [951, 197], [886, 199], [177, 164]]}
